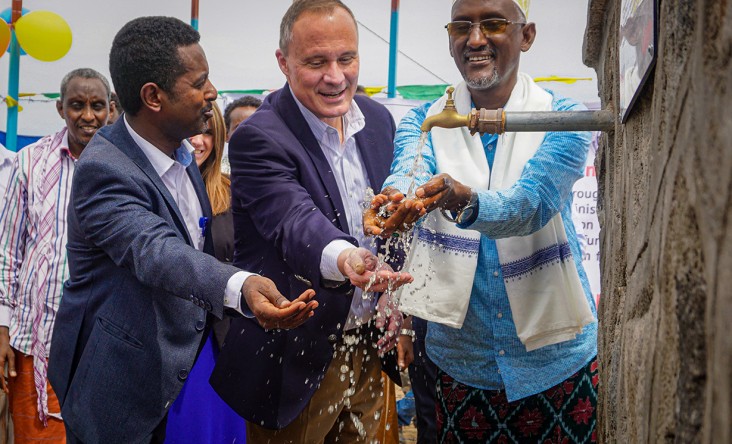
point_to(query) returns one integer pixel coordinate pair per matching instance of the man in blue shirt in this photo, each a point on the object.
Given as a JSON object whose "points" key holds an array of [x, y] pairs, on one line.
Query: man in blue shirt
{"points": [[517, 356]]}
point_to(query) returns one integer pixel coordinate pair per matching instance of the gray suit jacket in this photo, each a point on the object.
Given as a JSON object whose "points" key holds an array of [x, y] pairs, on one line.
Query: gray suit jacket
{"points": [[135, 306]]}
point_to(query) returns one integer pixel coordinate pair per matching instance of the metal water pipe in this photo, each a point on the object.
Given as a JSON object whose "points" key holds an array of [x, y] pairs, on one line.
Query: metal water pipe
{"points": [[498, 121]]}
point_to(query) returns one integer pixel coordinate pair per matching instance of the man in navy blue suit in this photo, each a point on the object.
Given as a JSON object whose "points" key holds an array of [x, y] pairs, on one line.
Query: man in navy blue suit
{"points": [[143, 282], [300, 169]]}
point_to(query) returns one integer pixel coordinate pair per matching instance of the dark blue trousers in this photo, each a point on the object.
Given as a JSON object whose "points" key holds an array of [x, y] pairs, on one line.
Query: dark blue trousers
{"points": [[423, 377]]}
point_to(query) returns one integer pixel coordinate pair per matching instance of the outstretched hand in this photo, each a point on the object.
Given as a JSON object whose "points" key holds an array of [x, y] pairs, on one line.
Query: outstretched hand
{"points": [[363, 269], [273, 310]]}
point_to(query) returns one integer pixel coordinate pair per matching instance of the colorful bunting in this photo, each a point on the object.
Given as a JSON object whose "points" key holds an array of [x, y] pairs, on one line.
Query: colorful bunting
{"points": [[410, 92]]}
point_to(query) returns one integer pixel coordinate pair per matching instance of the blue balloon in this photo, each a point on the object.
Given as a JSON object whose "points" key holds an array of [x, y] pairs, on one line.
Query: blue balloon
{"points": [[7, 15]]}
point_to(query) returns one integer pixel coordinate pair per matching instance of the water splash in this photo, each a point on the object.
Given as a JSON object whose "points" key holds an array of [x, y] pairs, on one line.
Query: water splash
{"points": [[418, 170]]}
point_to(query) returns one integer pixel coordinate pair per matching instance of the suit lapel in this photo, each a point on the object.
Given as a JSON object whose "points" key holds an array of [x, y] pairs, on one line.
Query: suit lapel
{"points": [[122, 140], [294, 119]]}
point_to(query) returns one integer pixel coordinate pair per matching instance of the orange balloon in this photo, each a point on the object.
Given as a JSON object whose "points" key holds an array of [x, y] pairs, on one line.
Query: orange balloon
{"points": [[44, 35], [4, 37]]}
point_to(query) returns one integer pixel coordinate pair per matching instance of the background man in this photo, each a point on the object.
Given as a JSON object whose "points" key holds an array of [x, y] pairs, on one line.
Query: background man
{"points": [[6, 161], [300, 167], [33, 262], [238, 111], [143, 281], [114, 109], [518, 363]]}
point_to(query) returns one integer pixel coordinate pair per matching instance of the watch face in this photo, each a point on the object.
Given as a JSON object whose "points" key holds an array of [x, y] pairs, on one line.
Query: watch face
{"points": [[466, 214]]}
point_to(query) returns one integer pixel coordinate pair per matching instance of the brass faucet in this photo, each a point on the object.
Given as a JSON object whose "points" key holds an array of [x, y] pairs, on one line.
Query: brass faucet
{"points": [[448, 117], [482, 120]]}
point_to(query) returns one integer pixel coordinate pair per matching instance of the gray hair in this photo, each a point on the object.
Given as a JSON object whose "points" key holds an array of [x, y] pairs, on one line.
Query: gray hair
{"points": [[84, 73], [299, 7]]}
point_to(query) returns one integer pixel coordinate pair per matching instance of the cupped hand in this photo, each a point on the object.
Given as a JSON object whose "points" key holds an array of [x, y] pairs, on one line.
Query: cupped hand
{"points": [[273, 310], [365, 271], [390, 212]]}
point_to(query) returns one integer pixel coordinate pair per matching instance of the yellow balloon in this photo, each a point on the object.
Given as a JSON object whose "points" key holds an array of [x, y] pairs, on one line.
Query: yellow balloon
{"points": [[44, 35], [4, 37]]}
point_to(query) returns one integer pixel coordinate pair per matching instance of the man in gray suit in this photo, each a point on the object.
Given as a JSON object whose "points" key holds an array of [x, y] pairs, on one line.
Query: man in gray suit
{"points": [[142, 288]]}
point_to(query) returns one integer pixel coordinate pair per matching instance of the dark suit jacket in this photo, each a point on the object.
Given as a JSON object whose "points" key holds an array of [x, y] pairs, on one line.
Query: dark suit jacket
{"points": [[287, 208], [134, 308]]}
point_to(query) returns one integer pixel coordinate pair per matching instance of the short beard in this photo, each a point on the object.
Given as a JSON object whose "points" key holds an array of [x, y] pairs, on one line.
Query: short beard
{"points": [[483, 83]]}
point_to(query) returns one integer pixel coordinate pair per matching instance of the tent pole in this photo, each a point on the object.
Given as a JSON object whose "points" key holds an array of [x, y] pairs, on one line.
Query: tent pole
{"points": [[11, 139], [194, 14], [393, 48]]}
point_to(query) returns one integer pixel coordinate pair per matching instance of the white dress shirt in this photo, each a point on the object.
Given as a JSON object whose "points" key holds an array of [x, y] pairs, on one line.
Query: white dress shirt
{"points": [[352, 180], [173, 174]]}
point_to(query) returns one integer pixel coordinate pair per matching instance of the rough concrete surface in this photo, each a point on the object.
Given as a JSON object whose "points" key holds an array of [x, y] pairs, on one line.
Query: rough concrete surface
{"points": [[665, 207]]}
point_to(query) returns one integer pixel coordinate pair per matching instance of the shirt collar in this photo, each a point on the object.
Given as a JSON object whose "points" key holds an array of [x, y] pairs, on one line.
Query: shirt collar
{"points": [[6, 156], [157, 158], [353, 121], [64, 147]]}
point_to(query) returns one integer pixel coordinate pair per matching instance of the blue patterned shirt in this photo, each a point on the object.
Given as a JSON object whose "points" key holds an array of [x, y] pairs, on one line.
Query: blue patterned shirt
{"points": [[486, 352]]}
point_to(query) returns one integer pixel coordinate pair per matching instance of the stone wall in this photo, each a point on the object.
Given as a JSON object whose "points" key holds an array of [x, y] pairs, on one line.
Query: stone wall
{"points": [[665, 208]]}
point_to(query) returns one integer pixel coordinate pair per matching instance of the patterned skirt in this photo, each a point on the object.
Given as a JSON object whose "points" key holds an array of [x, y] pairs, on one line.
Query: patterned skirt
{"points": [[565, 413]]}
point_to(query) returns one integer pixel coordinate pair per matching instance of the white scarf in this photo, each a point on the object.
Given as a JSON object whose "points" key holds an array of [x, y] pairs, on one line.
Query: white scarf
{"points": [[546, 297]]}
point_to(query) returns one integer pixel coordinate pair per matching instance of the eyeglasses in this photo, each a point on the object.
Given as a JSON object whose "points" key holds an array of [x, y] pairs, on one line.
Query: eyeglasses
{"points": [[488, 27]]}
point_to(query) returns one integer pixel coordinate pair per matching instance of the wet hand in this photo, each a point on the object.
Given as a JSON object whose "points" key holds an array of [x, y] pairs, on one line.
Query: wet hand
{"points": [[388, 319], [442, 191], [390, 212], [365, 271], [273, 310]]}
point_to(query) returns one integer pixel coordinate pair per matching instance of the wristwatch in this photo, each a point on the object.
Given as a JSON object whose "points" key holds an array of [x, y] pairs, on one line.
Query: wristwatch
{"points": [[469, 212], [407, 332]]}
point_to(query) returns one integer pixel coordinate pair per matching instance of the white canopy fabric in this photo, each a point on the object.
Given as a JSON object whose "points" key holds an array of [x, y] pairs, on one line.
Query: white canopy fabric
{"points": [[240, 38]]}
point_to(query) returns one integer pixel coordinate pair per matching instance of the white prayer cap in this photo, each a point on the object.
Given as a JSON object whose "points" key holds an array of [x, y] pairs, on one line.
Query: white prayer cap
{"points": [[523, 4]]}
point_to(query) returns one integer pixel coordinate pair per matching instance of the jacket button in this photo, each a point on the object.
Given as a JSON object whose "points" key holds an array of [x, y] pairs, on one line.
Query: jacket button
{"points": [[208, 306], [183, 374], [332, 338], [200, 325]]}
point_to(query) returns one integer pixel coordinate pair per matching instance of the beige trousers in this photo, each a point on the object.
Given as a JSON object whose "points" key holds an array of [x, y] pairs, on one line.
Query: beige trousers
{"points": [[347, 406]]}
